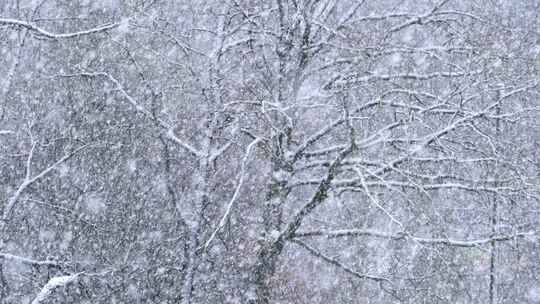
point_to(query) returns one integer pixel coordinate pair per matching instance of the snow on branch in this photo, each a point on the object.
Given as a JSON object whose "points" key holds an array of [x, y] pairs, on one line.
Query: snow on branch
{"points": [[403, 236], [338, 264], [301, 150], [236, 193], [169, 130], [356, 79], [53, 284], [40, 31], [6, 132], [319, 196], [27, 261], [315, 137], [28, 180]]}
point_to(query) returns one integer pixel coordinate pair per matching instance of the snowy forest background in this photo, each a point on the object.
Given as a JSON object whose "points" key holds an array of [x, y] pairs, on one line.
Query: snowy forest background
{"points": [[269, 151]]}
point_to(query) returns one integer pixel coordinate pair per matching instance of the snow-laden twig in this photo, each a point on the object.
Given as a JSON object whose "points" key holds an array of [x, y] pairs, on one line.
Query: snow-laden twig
{"points": [[338, 264], [403, 236], [315, 137], [320, 195], [27, 261], [356, 79], [6, 132], [53, 284], [30, 180], [374, 17], [219, 151], [182, 143], [40, 31], [169, 132], [422, 19], [374, 201], [235, 195]]}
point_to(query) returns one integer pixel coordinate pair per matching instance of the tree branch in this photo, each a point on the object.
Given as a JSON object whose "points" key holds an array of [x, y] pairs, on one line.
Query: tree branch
{"points": [[40, 31], [30, 180], [338, 264], [235, 195], [53, 284], [27, 261], [403, 236]]}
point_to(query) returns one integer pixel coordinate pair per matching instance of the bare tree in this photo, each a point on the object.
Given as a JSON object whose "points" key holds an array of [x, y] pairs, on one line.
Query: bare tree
{"points": [[245, 151]]}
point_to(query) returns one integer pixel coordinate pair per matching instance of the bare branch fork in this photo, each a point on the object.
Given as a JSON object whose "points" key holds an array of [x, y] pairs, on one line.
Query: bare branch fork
{"points": [[29, 180], [322, 191]]}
